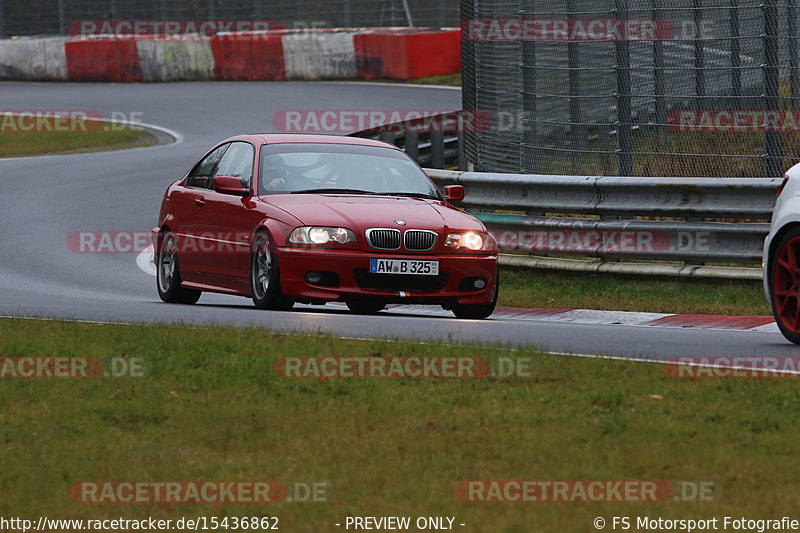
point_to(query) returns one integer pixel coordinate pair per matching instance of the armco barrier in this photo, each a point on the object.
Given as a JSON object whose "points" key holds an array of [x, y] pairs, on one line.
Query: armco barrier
{"points": [[33, 59], [175, 60], [103, 60], [408, 55], [398, 53], [693, 221], [238, 59], [319, 55], [587, 216]]}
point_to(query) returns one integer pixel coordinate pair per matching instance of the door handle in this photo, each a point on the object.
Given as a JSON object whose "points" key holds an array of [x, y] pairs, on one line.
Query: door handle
{"points": [[199, 202]]}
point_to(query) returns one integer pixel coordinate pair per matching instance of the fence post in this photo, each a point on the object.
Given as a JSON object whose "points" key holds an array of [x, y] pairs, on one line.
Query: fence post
{"points": [[441, 18], [115, 10], [624, 117], [772, 138], [528, 155], [163, 9], [437, 149], [736, 60], [794, 76], [658, 81], [212, 10], [699, 56], [576, 130], [348, 14], [2, 18], [411, 144], [62, 19], [407, 11]]}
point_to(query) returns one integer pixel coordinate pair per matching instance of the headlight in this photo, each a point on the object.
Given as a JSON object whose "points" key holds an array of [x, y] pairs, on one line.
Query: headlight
{"points": [[471, 241], [321, 235]]}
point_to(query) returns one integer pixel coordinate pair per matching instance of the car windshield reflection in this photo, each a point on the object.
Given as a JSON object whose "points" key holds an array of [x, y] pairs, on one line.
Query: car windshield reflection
{"points": [[319, 168]]}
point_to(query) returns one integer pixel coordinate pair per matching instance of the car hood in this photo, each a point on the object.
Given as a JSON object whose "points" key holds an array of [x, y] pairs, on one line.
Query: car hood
{"points": [[358, 212]]}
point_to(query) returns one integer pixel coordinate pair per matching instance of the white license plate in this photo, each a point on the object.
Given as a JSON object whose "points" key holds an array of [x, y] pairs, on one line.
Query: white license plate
{"points": [[404, 266]]}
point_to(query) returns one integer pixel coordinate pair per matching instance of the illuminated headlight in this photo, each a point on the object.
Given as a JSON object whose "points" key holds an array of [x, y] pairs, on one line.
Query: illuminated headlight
{"points": [[321, 235], [470, 240]]}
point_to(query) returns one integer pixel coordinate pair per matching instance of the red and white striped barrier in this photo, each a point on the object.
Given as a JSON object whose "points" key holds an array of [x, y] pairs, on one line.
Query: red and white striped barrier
{"points": [[399, 53]]}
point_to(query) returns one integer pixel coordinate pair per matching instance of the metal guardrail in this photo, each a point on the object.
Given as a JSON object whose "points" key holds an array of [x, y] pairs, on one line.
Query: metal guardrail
{"points": [[431, 149], [694, 221], [605, 223]]}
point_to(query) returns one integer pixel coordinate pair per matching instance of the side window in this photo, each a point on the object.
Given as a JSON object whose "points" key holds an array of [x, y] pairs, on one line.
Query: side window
{"points": [[201, 174], [238, 162]]}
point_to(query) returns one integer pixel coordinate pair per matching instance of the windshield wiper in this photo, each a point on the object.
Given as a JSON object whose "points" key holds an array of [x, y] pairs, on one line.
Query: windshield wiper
{"points": [[411, 195], [333, 190]]}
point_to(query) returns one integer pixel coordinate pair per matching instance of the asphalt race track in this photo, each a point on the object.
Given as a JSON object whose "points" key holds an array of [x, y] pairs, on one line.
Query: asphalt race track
{"points": [[45, 199]]}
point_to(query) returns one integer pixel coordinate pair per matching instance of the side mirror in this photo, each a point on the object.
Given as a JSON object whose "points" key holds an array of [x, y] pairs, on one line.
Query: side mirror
{"points": [[454, 193], [230, 185]]}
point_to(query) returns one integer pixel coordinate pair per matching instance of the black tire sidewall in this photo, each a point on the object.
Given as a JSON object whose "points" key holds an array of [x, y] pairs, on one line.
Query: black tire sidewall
{"points": [[273, 299], [172, 292]]}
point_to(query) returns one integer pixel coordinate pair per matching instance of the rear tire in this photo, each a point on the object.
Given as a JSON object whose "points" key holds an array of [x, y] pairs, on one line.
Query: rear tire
{"points": [[479, 311], [168, 273], [265, 281], [365, 307], [784, 286]]}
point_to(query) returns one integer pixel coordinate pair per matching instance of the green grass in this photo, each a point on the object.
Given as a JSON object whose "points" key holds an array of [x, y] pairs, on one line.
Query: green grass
{"points": [[98, 137], [212, 408], [537, 288], [453, 80]]}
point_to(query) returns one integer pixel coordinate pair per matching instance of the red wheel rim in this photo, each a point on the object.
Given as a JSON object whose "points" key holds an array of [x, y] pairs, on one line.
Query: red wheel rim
{"points": [[786, 285]]}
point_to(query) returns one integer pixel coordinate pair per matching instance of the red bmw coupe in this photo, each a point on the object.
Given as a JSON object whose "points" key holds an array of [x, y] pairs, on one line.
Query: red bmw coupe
{"points": [[313, 219]]}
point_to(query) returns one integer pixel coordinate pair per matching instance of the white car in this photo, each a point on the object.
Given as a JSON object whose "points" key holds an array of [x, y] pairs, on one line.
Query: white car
{"points": [[782, 257]]}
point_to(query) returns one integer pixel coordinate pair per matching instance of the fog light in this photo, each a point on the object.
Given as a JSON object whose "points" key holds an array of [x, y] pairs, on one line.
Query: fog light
{"points": [[480, 283], [314, 277]]}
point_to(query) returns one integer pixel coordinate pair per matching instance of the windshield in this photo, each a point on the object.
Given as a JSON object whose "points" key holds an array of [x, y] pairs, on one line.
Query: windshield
{"points": [[299, 168]]}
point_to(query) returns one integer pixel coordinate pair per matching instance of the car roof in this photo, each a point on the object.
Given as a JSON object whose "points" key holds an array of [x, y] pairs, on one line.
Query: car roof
{"points": [[274, 138]]}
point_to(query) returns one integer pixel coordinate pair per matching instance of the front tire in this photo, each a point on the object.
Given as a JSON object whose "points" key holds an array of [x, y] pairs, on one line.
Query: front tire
{"points": [[265, 284], [168, 273], [785, 285]]}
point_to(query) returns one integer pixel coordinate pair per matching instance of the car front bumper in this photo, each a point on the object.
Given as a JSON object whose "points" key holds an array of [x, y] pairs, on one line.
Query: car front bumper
{"points": [[454, 285]]}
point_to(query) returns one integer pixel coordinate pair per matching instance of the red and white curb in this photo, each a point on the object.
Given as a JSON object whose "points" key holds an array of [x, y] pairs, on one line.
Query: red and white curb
{"points": [[574, 316], [615, 318]]}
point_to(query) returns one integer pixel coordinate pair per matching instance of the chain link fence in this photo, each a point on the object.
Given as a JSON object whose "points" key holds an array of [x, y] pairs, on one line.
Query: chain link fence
{"points": [[54, 17], [633, 87]]}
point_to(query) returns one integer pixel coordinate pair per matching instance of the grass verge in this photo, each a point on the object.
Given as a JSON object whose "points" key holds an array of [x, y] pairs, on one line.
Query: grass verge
{"points": [[539, 288], [97, 137], [453, 80], [212, 408]]}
